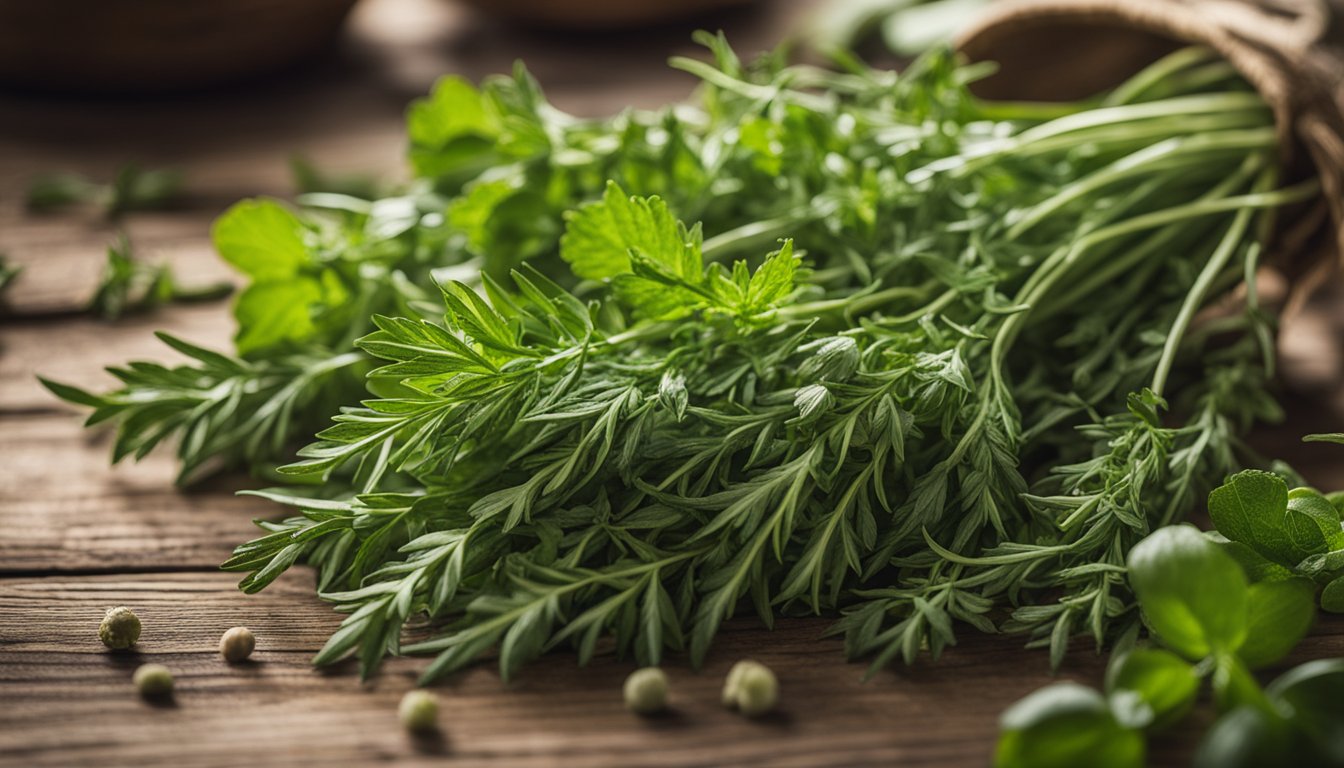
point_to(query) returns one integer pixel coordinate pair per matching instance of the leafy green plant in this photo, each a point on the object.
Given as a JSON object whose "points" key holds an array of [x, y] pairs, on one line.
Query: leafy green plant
{"points": [[1215, 625], [822, 341], [1279, 534]]}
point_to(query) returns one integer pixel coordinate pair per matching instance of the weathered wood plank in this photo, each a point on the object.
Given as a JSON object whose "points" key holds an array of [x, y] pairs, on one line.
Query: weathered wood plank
{"points": [[69, 701], [77, 349], [63, 509]]}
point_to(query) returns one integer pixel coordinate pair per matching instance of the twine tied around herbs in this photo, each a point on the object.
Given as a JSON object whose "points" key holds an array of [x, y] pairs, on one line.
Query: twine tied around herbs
{"points": [[1290, 51]]}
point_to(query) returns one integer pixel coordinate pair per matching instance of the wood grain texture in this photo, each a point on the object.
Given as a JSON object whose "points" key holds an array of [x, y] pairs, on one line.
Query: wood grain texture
{"points": [[79, 706], [64, 510], [78, 537], [76, 349]]}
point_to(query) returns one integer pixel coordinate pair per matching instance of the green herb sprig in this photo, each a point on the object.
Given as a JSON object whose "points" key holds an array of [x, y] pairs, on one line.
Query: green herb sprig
{"points": [[131, 189], [129, 285]]}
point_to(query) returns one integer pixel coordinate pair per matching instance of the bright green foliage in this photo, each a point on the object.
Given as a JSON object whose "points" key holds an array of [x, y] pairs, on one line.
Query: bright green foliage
{"points": [[1298, 722], [1195, 598], [599, 237], [1192, 595], [1279, 613], [1063, 726], [1197, 601], [820, 341], [1164, 684], [1277, 534], [1253, 508]]}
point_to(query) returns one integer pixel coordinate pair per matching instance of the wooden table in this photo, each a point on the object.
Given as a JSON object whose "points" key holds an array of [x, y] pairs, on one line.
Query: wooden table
{"points": [[77, 536]]}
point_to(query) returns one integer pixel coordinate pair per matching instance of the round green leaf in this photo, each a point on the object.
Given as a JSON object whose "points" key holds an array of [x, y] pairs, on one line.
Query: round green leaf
{"points": [[1311, 505], [1278, 615], [1332, 597], [1193, 595], [1064, 726], [1246, 737], [1165, 682]]}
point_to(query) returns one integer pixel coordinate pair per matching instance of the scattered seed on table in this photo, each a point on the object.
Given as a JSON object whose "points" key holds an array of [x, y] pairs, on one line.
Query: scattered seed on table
{"points": [[419, 711], [751, 688], [153, 681], [646, 691], [120, 628], [237, 644]]}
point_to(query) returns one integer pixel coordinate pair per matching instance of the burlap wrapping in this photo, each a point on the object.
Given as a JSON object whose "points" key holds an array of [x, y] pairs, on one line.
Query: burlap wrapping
{"points": [[1291, 51]]}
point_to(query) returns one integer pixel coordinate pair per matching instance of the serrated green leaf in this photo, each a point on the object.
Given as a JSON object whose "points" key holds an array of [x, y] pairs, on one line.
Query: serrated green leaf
{"points": [[599, 237], [1253, 508]]}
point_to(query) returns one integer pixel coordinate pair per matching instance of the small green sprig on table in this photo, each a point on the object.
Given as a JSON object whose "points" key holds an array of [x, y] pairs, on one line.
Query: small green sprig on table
{"points": [[131, 285], [131, 189]]}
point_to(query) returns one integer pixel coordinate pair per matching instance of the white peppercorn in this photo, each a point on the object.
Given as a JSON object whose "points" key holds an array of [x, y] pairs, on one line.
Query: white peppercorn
{"points": [[646, 691], [419, 711], [153, 681], [751, 688], [120, 628], [237, 644]]}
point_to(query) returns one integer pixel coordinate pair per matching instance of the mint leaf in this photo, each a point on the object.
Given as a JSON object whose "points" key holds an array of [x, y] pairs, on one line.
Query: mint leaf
{"points": [[599, 237], [1165, 683], [1323, 563], [1065, 725], [1279, 613], [1312, 504], [1192, 595], [1253, 508], [261, 239]]}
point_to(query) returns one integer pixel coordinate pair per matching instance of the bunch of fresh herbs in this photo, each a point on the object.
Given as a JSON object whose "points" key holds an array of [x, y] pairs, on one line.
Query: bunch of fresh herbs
{"points": [[822, 341]]}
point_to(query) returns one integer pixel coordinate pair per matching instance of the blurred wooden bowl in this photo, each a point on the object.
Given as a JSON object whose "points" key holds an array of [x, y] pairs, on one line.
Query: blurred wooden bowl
{"points": [[148, 46], [597, 14]]}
